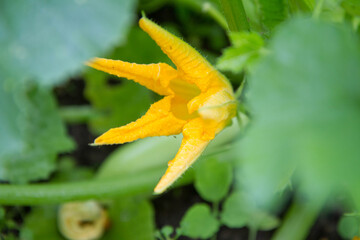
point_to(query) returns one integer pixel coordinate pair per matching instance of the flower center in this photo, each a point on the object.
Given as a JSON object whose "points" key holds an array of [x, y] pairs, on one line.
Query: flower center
{"points": [[184, 92]]}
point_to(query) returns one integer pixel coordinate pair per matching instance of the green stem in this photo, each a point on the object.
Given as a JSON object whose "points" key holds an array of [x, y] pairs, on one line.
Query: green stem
{"points": [[206, 7], [209, 8], [77, 114], [299, 220], [240, 89], [47, 193], [252, 234], [235, 15], [318, 9]]}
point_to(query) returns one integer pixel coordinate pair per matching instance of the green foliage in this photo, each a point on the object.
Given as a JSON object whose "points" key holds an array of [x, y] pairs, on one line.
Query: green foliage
{"points": [[112, 102], [61, 37], [67, 171], [32, 134], [8, 224], [40, 224], [273, 12], [198, 222], [151, 154], [304, 101], [125, 215], [165, 232], [349, 227], [351, 6], [239, 211], [245, 50], [302, 98], [131, 219], [213, 179]]}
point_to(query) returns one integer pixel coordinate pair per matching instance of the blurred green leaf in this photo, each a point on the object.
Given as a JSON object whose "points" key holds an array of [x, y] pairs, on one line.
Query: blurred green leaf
{"points": [[116, 105], [131, 219], [263, 221], [239, 211], [167, 231], [32, 133], [141, 156], [351, 6], [41, 223], [67, 171], [331, 10], [234, 213], [213, 179], [273, 12], [199, 222], [245, 50], [48, 40], [304, 99], [348, 227], [77, 114]]}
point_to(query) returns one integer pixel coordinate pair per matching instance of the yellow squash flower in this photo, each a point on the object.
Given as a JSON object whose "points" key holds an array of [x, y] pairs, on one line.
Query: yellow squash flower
{"points": [[199, 101]]}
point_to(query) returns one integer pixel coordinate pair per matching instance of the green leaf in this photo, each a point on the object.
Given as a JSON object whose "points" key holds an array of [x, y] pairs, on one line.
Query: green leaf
{"points": [[234, 213], [273, 12], [305, 105], [41, 224], [263, 221], [141, 156], [61, 37], [213, 179], [131, 219], [117, 105], [67, 171], [245, 50], [198, 222], [239, 211], [167, 231], [32, 133], [348, 227], [351, 6]]}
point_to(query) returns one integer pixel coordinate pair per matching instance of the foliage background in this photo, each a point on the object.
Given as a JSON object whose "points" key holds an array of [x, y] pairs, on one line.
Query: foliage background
{"points": [[287, 169]]}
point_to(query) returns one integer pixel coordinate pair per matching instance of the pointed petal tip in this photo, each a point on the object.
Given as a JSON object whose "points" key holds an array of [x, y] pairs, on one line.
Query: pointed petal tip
{"points": [[92, 62], [161, 187], [158, 191], [101, 141], [97, 143]]}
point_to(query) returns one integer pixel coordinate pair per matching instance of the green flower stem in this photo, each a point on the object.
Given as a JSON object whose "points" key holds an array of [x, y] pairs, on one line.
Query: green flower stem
{"points": [[77, 114], [318, 9], [299, 220], [252, 233], [235, 15], [49, 193], [208, 8]]}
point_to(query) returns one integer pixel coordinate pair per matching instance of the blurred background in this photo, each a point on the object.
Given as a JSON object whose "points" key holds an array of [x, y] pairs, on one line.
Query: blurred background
{"points": [[287, 168]]}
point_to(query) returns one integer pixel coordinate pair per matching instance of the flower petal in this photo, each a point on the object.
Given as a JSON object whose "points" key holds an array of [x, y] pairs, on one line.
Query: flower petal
{"points": [[216, 104], [196, 138], [191, 65], [155, 77], [158, 121]]}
